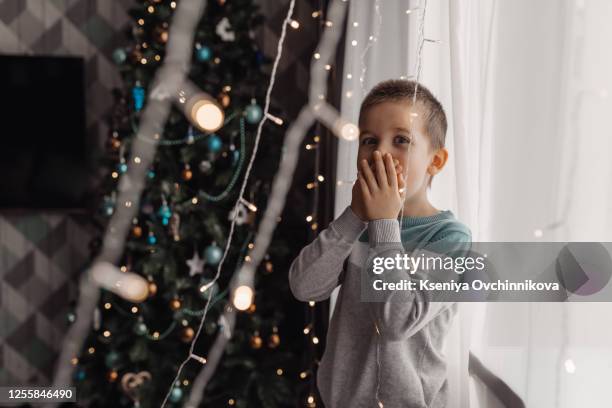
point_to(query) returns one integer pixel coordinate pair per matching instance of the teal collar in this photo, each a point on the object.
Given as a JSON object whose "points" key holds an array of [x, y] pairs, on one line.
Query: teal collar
{"points": [[442, 215], [413, 226]]}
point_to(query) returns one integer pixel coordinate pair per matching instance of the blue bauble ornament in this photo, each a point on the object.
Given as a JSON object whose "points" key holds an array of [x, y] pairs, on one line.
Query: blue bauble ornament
{"points": [[214, 143], [213, 254], [79, 374], [164, 211], [140, 329], [111, 359], [176, 394], [71, 317], [151, 174], [190, 135], [203, 54], [108, 208], [138, 94], [253, 113], [123, 168], [235, 157], [119, 56], [152, 239]]}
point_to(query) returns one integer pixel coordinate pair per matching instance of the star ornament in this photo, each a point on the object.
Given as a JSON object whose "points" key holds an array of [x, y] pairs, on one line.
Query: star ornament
{"points": [[195, 264], [224, 30]]}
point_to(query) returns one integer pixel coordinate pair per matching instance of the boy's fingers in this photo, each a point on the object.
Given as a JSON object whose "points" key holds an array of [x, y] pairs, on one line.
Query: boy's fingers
{"points": [[381, 173], [365, 192], [398, 167], [391, 173], [401, 185], [368, 176]]}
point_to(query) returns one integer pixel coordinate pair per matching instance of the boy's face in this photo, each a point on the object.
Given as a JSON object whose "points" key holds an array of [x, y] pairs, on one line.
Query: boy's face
{"points": [[387, 127]]}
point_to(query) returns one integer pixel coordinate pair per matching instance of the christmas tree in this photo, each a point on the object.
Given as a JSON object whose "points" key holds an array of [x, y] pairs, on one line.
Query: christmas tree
{"points": [[176, 240]]}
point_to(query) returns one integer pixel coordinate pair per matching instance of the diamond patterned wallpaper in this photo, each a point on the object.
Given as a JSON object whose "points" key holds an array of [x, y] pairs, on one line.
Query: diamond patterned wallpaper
{"points": [[40, 258], [41, 254]]}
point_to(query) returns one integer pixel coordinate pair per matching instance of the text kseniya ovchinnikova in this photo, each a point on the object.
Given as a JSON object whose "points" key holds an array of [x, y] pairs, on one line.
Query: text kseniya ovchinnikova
{"points": [[436, 263]]}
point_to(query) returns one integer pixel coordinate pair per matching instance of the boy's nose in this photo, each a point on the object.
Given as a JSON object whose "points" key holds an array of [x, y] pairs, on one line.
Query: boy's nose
{"points": [[384, 147], [381, 151], [382, 155]]}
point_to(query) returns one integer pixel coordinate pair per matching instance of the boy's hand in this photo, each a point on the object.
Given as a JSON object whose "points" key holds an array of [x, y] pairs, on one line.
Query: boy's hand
{"points": [[380, 190], [357, 203]]}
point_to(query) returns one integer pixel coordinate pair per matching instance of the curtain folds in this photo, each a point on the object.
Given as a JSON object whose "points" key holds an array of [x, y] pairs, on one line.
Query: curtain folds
{"points": [[526, 89]]}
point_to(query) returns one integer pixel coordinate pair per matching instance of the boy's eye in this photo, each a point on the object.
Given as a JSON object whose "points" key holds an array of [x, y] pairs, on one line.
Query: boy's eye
{"points": [[397, 139], [401, 139], [368, 140]]}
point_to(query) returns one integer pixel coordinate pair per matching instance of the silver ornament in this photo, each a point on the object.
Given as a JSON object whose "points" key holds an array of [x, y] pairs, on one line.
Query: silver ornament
{"points": [[241, 213], [205, 166]]}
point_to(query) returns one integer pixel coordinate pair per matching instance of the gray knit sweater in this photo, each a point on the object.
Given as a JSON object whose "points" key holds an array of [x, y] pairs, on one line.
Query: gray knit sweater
{"points": [[411, 365]]}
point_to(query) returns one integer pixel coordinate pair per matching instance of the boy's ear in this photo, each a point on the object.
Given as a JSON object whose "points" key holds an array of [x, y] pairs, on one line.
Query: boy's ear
{"points": [[438, 161]]}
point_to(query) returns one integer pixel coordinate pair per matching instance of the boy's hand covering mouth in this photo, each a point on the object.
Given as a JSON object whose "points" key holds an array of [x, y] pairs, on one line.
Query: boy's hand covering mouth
{"points": [[357, 204], [382, 188], [398, 168]]}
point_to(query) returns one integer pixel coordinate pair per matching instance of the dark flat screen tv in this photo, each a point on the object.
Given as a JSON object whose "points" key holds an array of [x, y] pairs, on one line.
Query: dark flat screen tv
{"points": [[44, 149]]}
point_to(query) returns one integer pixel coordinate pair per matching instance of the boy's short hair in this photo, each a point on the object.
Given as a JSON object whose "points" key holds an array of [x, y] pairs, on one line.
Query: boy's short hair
{"points": [[400, 89]]}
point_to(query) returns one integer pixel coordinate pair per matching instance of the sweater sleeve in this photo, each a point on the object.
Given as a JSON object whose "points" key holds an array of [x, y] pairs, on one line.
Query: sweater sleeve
{"points": [[316, 271], [401, 313]]}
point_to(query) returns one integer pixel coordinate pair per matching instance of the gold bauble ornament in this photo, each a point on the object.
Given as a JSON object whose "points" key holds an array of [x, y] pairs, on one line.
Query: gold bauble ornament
{"points": [[224, 99], [187, 173], [112, 376], [256, 341], [115, 143], [137, 231], [152, 288], [161, 34], [274, 340], [175, 304], [187, 334], [252, 308], [269, 266]]}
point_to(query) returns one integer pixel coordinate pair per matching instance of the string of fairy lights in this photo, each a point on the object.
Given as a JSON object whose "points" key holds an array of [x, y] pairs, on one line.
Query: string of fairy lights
{"points": [[371, 40], [244, 299], [312, 219]]}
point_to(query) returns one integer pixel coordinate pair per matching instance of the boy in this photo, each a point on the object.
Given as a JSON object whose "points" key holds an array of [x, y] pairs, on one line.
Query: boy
{"points": [[385, 353]]}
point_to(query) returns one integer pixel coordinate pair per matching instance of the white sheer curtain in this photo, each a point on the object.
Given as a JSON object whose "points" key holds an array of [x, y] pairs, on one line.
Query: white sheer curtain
{"points": [[525, 85]]}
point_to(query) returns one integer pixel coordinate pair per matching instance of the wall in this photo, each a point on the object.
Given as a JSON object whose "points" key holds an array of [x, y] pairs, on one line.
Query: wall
{"points": [[41, 253]]}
